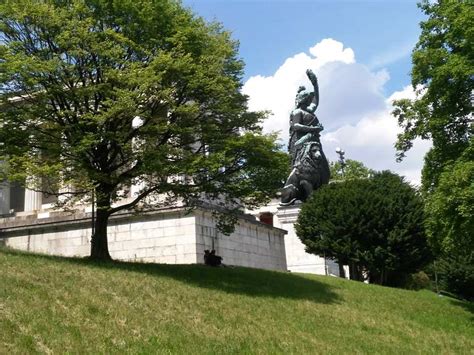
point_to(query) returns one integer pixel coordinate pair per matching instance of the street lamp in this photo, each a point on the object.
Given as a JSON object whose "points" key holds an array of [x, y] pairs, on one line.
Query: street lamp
{"points": [[93, 212], [342, 160]]}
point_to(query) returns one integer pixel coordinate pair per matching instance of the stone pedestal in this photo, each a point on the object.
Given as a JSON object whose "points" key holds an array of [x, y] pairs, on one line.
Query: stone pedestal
{"points": [[297, 259], [168, 235]]}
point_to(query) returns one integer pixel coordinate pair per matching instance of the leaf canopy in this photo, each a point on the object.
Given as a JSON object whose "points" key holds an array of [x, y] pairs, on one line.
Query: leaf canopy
{"points": [[104, 94]]}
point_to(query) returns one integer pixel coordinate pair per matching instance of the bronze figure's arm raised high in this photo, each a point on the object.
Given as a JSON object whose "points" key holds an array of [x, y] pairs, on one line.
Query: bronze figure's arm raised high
{"points": [[310, 168], [314, 80], [304, 125]]}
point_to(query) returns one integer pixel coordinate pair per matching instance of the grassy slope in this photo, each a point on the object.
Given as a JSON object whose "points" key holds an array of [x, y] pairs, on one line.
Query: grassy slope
{"points": [[58, 304]]}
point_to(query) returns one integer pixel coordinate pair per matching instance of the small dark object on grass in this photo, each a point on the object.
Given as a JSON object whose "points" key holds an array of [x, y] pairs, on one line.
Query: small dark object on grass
{"points": [[211, 259]]}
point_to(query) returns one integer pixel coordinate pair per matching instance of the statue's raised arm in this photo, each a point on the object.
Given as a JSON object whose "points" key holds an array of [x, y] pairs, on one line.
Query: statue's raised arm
{"points": [[314, 80], [310, 168]]}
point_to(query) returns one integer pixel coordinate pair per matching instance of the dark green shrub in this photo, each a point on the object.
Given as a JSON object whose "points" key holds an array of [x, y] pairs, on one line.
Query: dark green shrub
{"points": [[456, 274], [374, 225], [418, 281]]}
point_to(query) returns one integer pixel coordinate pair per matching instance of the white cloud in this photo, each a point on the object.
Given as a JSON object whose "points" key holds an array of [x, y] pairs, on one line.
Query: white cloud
{"points": [[328, 49], [406, 93], [353, 108], [392, 54]]}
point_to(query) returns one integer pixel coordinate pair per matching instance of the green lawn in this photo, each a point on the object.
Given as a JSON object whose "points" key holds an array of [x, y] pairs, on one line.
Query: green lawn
{"points": [[58, 305]]}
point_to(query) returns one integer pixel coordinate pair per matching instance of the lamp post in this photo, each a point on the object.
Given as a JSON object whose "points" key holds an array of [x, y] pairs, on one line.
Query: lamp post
{"points": [[342, 160], [93, 212]]}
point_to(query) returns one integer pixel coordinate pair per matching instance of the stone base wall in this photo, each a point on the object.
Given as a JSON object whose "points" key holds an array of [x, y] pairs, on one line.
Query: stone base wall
{"points": [[165, 236], [297, 259], [252, 244]]}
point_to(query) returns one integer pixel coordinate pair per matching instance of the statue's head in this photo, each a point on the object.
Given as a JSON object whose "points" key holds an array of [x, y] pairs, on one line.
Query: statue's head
{"points": [[303, 97], [314, 150], [310, 150]]}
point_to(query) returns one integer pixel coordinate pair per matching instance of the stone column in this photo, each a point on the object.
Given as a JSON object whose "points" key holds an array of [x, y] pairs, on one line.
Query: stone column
{"points": [[65, 191], [135, 188], [4, 198], [297, 259], [33, 199]]}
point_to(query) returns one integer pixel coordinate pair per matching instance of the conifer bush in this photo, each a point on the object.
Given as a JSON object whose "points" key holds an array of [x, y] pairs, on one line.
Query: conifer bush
{"points": [[375, 225]]}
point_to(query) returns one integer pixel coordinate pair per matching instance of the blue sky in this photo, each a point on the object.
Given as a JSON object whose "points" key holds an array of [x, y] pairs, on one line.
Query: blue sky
{"points": [[360, 51], [381, 32]]}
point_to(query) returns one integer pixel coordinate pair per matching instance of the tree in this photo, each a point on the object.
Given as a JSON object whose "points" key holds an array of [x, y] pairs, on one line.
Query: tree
{"points": [[442, 74], [450, 224], [97, 95], [375, 225], [450, 221], [353, 169]]}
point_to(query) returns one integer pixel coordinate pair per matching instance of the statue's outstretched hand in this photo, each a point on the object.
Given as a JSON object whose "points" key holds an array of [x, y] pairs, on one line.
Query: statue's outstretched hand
{"points": [[312, 77], [319, 127]]}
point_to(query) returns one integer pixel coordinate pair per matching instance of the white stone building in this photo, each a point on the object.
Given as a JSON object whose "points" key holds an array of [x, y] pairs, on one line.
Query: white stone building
{"points": [[167, 235], [264, 238]]}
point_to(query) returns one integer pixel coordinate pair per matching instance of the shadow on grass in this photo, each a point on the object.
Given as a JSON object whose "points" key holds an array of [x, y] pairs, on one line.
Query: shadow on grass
{"points": [[233, 280], [458, 301], [468, 306]]}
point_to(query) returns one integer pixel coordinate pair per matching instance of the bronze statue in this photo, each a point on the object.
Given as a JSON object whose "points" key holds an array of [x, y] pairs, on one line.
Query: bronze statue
{"points": [[310, 168]]}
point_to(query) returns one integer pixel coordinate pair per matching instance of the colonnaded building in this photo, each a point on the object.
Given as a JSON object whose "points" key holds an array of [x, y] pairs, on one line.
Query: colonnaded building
{"points": [[264, 238]]}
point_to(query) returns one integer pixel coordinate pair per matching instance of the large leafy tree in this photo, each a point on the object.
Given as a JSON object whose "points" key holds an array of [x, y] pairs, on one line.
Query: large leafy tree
{"points": [[97, 95], [443, 75], [374, 225], [450, 225], [352, 169], [451, 206]]}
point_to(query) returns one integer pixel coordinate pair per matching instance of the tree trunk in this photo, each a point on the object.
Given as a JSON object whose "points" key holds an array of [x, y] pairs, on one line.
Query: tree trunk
{"points": [[352, 271], [341, 269], [99, 243], [355, 272], [376, 277], [383, 277]]}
